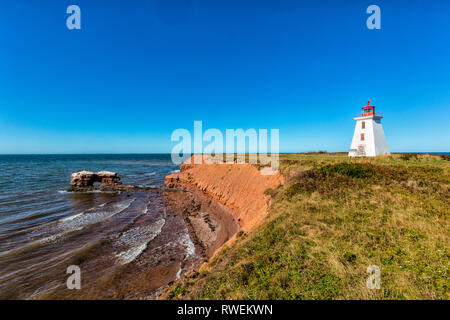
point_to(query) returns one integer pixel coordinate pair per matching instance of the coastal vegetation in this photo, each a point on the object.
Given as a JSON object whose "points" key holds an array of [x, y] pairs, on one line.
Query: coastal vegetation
{"points": [[333, 218]]}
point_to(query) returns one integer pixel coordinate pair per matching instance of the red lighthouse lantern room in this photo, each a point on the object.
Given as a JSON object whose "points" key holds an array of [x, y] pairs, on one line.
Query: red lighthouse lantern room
{"points": [[368, 110]]}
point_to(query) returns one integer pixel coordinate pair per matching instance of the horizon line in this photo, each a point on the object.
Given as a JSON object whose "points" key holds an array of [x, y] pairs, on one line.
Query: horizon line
{"points": [[166, 153]]}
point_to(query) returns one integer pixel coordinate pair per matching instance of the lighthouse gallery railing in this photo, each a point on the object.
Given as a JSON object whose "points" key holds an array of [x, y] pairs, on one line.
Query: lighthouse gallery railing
{"points": [[367, 114]]}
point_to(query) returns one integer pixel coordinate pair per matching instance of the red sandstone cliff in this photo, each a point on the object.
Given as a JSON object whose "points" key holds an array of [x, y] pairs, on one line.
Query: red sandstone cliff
{"points": [[239, 187]]}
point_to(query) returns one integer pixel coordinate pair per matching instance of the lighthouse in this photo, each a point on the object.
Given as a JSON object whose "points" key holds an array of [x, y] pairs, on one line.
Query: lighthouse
{"points": [[368, 139]]}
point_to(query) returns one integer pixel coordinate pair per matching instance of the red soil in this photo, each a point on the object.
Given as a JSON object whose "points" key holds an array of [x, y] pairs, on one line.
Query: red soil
{"points": [[239, 187]]}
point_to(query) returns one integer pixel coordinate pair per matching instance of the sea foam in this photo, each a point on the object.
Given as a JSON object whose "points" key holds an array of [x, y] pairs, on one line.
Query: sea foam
{"points": [[138, 238]]}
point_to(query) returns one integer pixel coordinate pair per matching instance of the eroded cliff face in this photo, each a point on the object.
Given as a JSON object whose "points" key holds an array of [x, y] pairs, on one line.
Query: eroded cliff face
{"points": [[239, 187]]}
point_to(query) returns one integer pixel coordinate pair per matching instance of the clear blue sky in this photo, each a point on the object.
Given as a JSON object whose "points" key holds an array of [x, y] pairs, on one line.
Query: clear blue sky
{"points": [[137, 70]]}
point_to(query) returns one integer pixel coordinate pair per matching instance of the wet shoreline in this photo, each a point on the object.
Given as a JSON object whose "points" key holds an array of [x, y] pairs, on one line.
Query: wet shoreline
{"points": [[124, 243], [129, 243], [188, 228], [194, 227]]}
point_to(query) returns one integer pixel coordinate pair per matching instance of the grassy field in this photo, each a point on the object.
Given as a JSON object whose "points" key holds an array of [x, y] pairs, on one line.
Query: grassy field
{"points": [[333, 218]]}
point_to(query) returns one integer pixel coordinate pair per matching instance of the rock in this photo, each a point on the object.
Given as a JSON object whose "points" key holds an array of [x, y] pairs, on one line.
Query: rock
{"points": [[86, 178], [83, 181], [109, 178]]}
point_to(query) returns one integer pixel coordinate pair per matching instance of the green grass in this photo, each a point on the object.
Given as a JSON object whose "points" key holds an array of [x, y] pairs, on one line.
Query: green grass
{"points": [[333, 218]]}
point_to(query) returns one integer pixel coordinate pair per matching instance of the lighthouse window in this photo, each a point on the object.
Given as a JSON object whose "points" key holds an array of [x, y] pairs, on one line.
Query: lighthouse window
{"points": [[362, 136], [363, 125]]}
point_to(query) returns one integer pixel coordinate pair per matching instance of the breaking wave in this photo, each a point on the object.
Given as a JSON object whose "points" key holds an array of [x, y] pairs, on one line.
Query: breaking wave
{"points": [[56, 230], [138, 238]]}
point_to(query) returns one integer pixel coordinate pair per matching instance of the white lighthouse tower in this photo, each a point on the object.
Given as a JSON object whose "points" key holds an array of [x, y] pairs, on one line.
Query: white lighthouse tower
{"points": [[368, 139]]}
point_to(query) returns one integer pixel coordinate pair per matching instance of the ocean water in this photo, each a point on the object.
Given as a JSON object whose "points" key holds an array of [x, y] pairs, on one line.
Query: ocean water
{"points": [[44, 228]]}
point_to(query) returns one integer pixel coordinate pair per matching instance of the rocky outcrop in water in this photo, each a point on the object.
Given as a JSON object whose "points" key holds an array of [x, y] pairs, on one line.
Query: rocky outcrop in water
{"points": [[83, 181], [88, 178]]}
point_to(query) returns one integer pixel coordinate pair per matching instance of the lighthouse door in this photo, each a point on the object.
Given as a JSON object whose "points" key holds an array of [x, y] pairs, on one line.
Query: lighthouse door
{"points": [[361, 150]]}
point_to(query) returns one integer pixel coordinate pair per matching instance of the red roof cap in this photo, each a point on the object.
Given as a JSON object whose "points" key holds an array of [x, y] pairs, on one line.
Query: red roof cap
{"points": [[368, 106]]}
